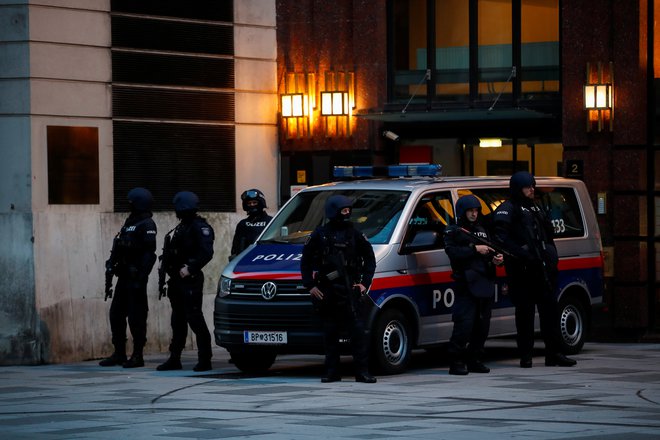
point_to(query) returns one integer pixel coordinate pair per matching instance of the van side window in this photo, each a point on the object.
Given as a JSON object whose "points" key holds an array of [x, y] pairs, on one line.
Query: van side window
{"points": [[561, 203], [433, 212], [565, 213]]}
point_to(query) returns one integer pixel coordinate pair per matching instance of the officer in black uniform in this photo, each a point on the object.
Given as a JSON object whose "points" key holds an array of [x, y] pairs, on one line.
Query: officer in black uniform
{"points": [[473, 268], [132, 257], [248, 229], [525, 230], [337, 268], [187, 250]]}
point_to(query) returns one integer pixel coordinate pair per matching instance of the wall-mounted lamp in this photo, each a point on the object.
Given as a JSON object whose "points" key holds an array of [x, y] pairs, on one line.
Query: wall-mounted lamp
{"points": [[335, 104], [490, 143], [294, 105], [297, 104], [599, 96], [391, 135]]}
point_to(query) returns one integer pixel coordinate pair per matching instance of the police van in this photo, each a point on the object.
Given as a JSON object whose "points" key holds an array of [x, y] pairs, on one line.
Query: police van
{"points": [[262, 308]]}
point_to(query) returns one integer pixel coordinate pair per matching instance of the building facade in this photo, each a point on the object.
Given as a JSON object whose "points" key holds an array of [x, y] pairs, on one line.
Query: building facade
{"points": [[97, 97], [431, 80]]}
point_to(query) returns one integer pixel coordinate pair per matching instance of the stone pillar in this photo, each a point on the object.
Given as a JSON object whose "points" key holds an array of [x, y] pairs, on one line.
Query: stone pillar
{"points": [[614, 161]]}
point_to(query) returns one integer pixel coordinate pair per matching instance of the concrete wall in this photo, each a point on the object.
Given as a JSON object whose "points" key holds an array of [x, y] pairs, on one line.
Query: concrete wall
{"points": [[55, 69], [21, 339]]}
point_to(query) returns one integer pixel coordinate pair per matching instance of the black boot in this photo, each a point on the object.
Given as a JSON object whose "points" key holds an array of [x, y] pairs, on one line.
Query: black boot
{"points": [[331, 377], [365, 378], [458, 368], [135, 361], [203, 365], [526, 362], [476, 366], [115, 358], [559, 360], [172, 363]]}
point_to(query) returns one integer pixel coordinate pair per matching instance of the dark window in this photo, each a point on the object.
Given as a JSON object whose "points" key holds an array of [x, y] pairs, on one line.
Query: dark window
{"points": [[168, 158], [173, 101], [216, 10], [149, 34], [73, 165]]}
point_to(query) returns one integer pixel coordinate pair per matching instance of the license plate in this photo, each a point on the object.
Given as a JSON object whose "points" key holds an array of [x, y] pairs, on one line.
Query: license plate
{"points": [[266, 338]]}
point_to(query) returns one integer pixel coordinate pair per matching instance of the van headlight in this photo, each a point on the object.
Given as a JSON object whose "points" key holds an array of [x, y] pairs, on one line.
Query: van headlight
{"points": [[224, 287]]}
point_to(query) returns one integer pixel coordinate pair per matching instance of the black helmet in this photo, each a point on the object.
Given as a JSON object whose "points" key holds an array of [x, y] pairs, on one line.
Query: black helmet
{"points": [[335, 204], [186, 201], [464, 203], [140, 199], [253, 194], [520, 180]]}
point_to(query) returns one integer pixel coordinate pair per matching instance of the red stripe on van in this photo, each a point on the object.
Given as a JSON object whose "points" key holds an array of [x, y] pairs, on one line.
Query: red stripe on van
{"points": [[581, 263], [267, 276], [411, 280]]}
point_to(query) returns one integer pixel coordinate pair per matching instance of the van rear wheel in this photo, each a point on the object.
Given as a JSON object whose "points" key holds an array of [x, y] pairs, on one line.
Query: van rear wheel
{"points": [[572, 325], [252, 361], [391, 343]]}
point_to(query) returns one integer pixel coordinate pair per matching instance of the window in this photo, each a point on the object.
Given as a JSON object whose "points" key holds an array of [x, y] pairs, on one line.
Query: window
{"points": [[173, 101], [434, 212], [375, 214], [561, 203], [73, 165], [470, 48]]}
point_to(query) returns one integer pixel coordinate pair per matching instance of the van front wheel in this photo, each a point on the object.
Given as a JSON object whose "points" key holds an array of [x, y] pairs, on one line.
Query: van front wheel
{"points": [[391, 343], [572, 325]]}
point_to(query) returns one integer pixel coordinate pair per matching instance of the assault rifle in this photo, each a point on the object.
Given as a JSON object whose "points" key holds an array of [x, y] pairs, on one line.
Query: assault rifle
{"points": [[162, 290], [535, 236], [481, 240], [164, 259], [110, 267], [108, 283], [351, 290]]}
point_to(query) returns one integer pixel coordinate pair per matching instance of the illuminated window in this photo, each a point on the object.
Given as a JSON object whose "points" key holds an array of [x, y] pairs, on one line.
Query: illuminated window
{"points": [[471, 48]]}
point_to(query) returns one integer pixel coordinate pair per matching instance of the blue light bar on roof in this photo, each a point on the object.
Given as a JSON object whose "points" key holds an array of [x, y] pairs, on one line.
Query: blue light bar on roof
{"points": [[388, 171]]}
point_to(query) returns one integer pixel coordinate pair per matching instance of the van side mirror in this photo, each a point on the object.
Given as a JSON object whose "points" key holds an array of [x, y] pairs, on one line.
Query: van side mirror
{"points": [[422, 241]]}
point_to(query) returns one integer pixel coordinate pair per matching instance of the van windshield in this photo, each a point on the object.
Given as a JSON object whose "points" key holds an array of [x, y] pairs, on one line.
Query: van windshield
{"points": [[375, 213]]}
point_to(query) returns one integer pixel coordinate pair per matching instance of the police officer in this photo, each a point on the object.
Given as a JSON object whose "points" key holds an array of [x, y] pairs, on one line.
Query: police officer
{"points": [[132, 257], [473, 268], [526, 231], [187, 251], [337, 268], [248, 229]]}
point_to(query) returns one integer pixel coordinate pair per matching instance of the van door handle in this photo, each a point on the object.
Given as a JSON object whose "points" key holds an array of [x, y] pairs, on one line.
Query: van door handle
{"points": [[403, 271]]}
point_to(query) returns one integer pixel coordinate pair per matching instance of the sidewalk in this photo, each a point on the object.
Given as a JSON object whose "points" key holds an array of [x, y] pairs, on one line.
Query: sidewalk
{"points": [[613, 393]]}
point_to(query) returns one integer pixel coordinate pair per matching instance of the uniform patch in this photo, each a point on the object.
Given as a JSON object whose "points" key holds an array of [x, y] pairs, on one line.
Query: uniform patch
{"points": [[206, 231]]}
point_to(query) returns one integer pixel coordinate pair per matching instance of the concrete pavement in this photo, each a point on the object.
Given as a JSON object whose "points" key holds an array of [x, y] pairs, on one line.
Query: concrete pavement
{"points": [[613, 393]]}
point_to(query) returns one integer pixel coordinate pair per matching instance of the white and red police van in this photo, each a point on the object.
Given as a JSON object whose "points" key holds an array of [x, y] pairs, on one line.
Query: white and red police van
{"points": [[262, 309]]}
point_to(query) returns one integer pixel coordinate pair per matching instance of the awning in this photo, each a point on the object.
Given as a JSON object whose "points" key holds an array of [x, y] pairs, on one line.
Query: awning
{"points": [[509, 114]]}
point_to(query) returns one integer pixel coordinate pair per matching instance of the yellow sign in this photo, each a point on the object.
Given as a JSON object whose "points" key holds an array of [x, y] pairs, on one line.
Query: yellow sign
{"points": [[301, 176]]}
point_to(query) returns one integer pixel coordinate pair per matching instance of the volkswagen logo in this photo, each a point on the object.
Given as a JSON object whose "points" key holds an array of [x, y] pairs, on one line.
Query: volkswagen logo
{"points": [[268, 290]]}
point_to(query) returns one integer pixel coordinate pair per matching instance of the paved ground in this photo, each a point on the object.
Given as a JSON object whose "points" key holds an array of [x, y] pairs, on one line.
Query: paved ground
{"points": [[613, 393]]}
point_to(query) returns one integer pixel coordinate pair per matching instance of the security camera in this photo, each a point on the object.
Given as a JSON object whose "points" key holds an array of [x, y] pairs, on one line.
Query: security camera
{"points": [[391, 135]]}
